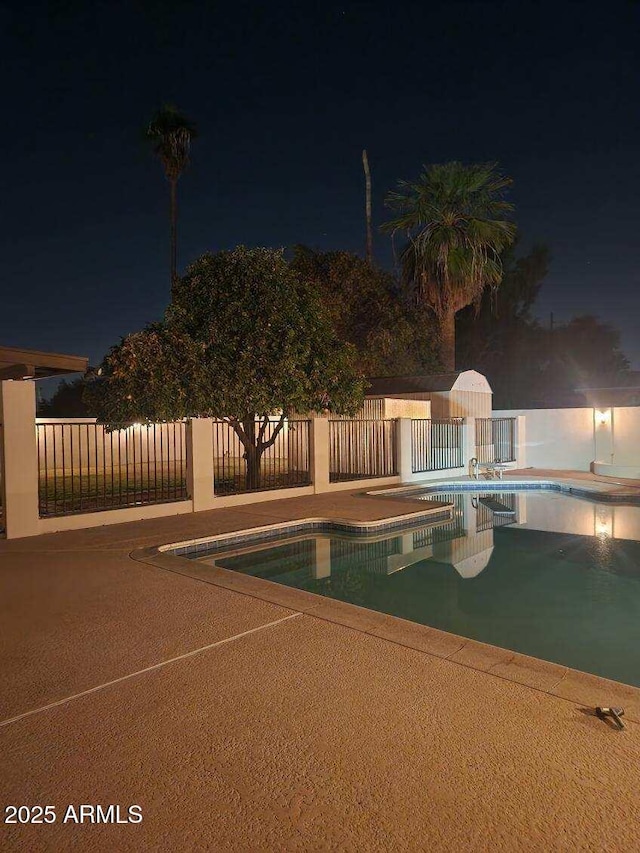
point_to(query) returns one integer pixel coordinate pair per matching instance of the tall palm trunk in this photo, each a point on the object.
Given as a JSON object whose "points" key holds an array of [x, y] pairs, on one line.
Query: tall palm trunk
{"points": [[367, 204], [173, 218], [447, 342], [170, 133]]}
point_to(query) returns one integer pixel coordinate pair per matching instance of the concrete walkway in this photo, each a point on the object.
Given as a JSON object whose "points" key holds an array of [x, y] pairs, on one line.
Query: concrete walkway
{"points": [[242, 720]]}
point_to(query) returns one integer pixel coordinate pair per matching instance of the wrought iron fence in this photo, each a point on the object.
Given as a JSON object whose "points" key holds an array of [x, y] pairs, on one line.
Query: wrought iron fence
{"points": [[295, 559], [495, 439], [362, 449], [283, 465], [371, 410], [445, 532], [369, 557], [436, 445], [84, 468]]}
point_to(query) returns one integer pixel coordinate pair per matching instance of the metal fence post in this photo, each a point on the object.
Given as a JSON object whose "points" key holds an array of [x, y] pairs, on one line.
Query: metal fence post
{"points": [[20, 455]]}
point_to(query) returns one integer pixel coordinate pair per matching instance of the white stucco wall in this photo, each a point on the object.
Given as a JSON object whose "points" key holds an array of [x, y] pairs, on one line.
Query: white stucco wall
{"points": [[574, 438], [556, 513], [626, 436], [557, 438]]}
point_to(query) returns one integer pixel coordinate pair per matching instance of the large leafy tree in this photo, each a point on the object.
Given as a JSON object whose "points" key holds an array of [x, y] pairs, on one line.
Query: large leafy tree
{"points": [[244, 339], [170, 134], [66, 402], [156, 374], [455, 220], [559, 361], [366, 310], [526, 363], [502, 339], [584, 352]]}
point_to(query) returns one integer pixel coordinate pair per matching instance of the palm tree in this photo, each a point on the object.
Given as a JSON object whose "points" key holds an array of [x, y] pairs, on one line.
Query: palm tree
{"points": [[367, 205], [170, 133], [454, 219]]}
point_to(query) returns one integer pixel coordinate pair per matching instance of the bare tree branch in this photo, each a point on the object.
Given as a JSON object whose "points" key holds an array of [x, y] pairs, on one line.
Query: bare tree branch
{"points": [[275, 434]]}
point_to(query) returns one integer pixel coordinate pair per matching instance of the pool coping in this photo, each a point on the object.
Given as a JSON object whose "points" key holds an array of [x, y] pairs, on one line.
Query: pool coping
{"points": [[554, 679], [439, 513], [263, 533], [576, 488]]}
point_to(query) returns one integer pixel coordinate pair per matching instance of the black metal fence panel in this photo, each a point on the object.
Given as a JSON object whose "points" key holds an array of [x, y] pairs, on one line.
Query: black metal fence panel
{"points": [[495, 439], [84, 468], [449, 530], [284, 465], [420, 444], [371, 557], [371, 410], [436, 444], [362, 449]]}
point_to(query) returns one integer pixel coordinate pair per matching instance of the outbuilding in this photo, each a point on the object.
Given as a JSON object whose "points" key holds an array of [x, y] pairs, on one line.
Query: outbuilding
{"points": [[463, 394]]}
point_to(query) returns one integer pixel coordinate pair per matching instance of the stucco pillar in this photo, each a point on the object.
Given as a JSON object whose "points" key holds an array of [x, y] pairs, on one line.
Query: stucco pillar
{"points": [[468, 441], [320, 454], [200, 462], [20, 458], [521, 508], [322, 561], [521, 441], [405, 466], [406, 543]]}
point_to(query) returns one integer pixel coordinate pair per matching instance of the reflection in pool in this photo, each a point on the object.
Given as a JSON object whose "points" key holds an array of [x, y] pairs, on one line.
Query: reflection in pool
{"points": [[537, 572]]}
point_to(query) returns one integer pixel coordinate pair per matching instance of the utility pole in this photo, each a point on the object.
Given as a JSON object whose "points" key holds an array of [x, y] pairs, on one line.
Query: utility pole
{"points": [[367, 205]]}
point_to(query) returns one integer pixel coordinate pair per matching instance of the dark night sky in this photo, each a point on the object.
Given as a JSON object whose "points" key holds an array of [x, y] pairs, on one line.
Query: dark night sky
{"points": [[285, 97]]}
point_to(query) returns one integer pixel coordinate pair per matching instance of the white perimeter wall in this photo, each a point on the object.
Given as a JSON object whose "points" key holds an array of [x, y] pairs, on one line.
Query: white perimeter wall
{"points": [[562, 514], [557, 438], [626, 436], [566, 438]]}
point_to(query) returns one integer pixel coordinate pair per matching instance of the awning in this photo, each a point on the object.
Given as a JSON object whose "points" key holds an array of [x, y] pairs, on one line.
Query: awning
{"points": [[18, 363]]}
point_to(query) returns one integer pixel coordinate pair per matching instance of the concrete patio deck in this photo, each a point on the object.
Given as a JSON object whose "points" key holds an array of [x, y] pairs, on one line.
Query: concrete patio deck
{"points": [[242, 716]]}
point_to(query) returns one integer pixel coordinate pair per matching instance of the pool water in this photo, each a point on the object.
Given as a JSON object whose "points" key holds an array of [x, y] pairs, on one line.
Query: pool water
{"points": [[540, 573]]}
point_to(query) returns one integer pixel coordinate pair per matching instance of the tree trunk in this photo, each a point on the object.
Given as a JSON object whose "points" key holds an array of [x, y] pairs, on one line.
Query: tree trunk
{"points": [[252, 456], [173, 218], [447, 343], [253, 477], [367, 187]]}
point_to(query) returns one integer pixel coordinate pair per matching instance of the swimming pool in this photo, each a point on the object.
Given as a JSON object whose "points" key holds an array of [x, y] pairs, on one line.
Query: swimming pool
{"points": [[534, 571]]}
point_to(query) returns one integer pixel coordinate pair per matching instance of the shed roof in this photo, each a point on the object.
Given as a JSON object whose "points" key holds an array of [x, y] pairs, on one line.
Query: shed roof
{"points": [[460, 380], [18, 363]]}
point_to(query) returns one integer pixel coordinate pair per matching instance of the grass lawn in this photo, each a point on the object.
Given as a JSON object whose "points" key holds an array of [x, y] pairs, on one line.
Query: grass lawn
{"points": [[63, 493]]}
